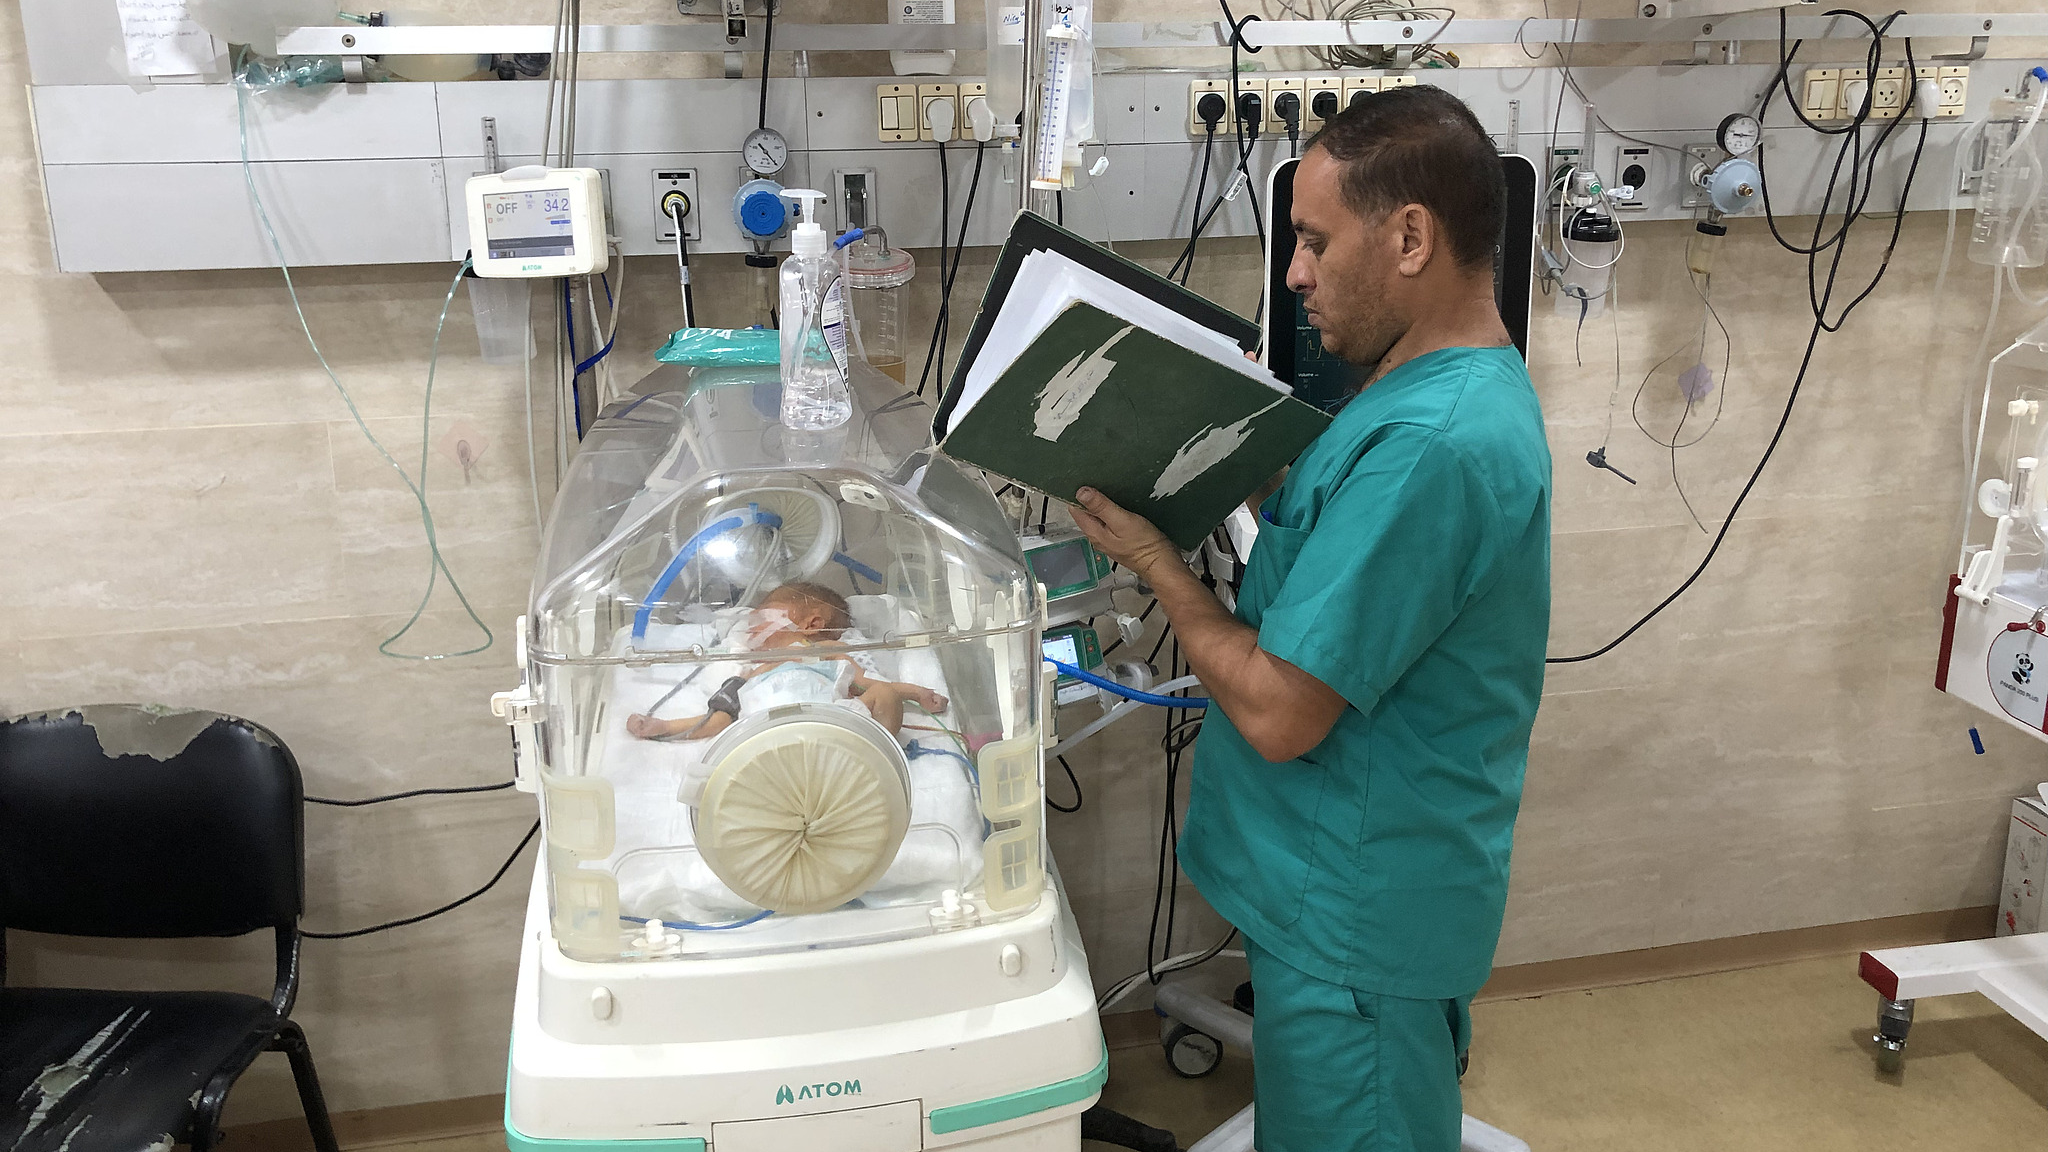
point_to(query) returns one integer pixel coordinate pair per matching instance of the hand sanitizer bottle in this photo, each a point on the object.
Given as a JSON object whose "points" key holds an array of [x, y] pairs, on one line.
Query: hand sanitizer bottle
{"points": [[814, 392]]}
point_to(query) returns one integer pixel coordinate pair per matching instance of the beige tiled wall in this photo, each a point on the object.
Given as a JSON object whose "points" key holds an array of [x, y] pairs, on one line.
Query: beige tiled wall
{"points": [[192, 517]]}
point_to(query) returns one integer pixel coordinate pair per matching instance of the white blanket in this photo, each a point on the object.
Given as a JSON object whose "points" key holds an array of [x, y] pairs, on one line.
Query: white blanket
{"points": [[660, 873]]}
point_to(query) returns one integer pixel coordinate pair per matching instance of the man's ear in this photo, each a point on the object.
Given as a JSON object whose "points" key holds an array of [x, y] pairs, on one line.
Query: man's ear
{"points": [[1416, 230]]}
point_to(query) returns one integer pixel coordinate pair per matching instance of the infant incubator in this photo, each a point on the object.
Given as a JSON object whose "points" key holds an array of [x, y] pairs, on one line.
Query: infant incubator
{"points": [[784, 708]]}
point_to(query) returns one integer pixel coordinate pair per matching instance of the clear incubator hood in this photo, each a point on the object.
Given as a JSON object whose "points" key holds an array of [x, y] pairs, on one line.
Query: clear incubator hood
{"points": [[785, 687]]}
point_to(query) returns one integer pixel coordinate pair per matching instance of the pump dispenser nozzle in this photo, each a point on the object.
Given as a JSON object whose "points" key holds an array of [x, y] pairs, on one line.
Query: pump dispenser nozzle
{"points": [[808, 238]]}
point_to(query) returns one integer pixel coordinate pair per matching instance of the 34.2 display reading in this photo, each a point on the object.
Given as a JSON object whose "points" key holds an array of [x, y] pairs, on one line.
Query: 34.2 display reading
{"points": [[529, 223]]}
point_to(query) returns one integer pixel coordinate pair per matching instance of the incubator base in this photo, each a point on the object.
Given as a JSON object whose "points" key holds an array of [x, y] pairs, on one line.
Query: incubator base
{"points": [[984, 1038]]}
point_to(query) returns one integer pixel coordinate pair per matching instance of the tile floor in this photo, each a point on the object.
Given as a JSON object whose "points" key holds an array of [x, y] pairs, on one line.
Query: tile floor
{"points": [[1766, 1059]]}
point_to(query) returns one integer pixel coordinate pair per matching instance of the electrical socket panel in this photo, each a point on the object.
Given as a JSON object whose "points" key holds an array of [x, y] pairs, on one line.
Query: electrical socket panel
{"points": [[1955, 90], [1404, 80], [896, 113], [1855, 89], [1358, 88], [1887, 94], [1256, 85], [1311, 120], [683, 180], [1196, 89], [1274, 125], [929, 95]]}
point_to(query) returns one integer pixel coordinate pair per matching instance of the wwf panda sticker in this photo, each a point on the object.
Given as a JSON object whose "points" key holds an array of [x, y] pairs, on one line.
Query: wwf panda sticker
{"points": [[2018, 669]]}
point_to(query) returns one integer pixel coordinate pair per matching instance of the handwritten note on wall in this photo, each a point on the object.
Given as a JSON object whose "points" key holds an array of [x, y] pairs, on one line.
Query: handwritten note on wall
{"points": [[163, 39]]}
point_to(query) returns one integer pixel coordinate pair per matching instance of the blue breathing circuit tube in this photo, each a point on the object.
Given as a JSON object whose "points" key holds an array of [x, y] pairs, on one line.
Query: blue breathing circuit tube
{"points": [[753, 515], [1195, 703]]}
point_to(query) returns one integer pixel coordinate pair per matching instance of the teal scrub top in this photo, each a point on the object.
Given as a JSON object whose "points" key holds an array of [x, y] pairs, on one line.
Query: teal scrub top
{"points": [[1406, 564]]}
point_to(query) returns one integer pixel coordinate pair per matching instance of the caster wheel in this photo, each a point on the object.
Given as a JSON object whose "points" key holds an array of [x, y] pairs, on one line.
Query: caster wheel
{"points": [[1191, 1054]]}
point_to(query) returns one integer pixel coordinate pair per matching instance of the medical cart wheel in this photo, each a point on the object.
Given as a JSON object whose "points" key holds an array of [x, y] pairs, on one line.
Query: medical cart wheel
{"points": [[1894, 1020], [1191, 1054]]}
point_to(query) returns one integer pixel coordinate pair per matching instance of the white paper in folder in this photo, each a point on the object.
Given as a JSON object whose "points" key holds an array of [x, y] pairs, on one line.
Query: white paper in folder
{"points": [[163, 40]]}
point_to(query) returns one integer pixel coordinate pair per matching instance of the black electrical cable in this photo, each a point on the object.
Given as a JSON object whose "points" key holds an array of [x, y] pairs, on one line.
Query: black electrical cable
{"points": [[767, 43], [939, 320], [1071, 779], [1195, 218], [448, 907], [1820, 296], [368, 800], [942, 324], [1246, 141]]}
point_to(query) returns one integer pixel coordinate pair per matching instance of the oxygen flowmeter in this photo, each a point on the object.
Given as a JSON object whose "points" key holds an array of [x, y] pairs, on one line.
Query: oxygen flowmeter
{"points": [[761, 213]]}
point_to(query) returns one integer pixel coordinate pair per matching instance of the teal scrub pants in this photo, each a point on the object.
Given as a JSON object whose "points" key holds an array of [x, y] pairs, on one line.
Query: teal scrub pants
{"points": [[1339, 1070]]}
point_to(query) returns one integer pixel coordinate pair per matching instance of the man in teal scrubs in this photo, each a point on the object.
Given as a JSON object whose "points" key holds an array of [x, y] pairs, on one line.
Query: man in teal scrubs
{"points": [[1356, 781]]}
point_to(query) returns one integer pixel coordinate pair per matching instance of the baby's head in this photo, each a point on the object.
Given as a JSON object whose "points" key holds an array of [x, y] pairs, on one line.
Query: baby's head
{"points": [[809, 608]]}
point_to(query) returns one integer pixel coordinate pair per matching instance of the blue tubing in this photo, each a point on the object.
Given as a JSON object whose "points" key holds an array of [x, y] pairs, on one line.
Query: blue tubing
{"points": [[684, 555], [1190, 702]]}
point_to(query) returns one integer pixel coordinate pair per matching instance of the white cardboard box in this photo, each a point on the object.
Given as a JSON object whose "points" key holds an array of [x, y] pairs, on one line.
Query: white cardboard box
{"points": [[2026, 868]]}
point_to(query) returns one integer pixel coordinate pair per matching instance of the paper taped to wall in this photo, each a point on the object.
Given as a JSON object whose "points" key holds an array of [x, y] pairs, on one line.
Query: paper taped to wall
{"points": [[163, 40]]}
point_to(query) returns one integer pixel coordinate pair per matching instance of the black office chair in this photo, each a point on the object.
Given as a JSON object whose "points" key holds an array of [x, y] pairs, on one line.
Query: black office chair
{"points": [[122, 821]]}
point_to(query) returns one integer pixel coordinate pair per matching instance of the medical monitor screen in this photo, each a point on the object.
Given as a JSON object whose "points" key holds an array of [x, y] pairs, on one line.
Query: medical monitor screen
{"points": [[1063, 649], [527, 224], [1062, 565]]}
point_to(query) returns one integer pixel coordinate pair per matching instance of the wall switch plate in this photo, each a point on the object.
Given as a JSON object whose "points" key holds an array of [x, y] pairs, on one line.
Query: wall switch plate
{"points": [[1821, 93], [683, 180], [896, 117]]}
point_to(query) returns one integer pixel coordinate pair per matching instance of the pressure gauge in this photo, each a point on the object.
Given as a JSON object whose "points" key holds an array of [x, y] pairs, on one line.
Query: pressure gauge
{"points": [[1738, 134], [766, 152]]}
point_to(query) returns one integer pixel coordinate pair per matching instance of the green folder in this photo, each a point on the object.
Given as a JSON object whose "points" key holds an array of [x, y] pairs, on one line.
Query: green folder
{"points": [[1162, 430]]}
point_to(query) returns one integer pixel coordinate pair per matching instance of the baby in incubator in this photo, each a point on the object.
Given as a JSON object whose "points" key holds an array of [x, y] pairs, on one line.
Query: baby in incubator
{"points": [[796, 615]]}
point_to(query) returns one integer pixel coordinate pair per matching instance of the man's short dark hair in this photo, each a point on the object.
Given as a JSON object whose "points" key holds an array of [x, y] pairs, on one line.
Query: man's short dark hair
{"points": [[1421, 145]]}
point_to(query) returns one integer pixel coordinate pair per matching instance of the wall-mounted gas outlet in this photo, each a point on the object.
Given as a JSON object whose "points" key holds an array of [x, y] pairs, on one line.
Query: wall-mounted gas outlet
{"points": [[677, 186], [853, 198], [1635, 166], [1699, 160]]}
